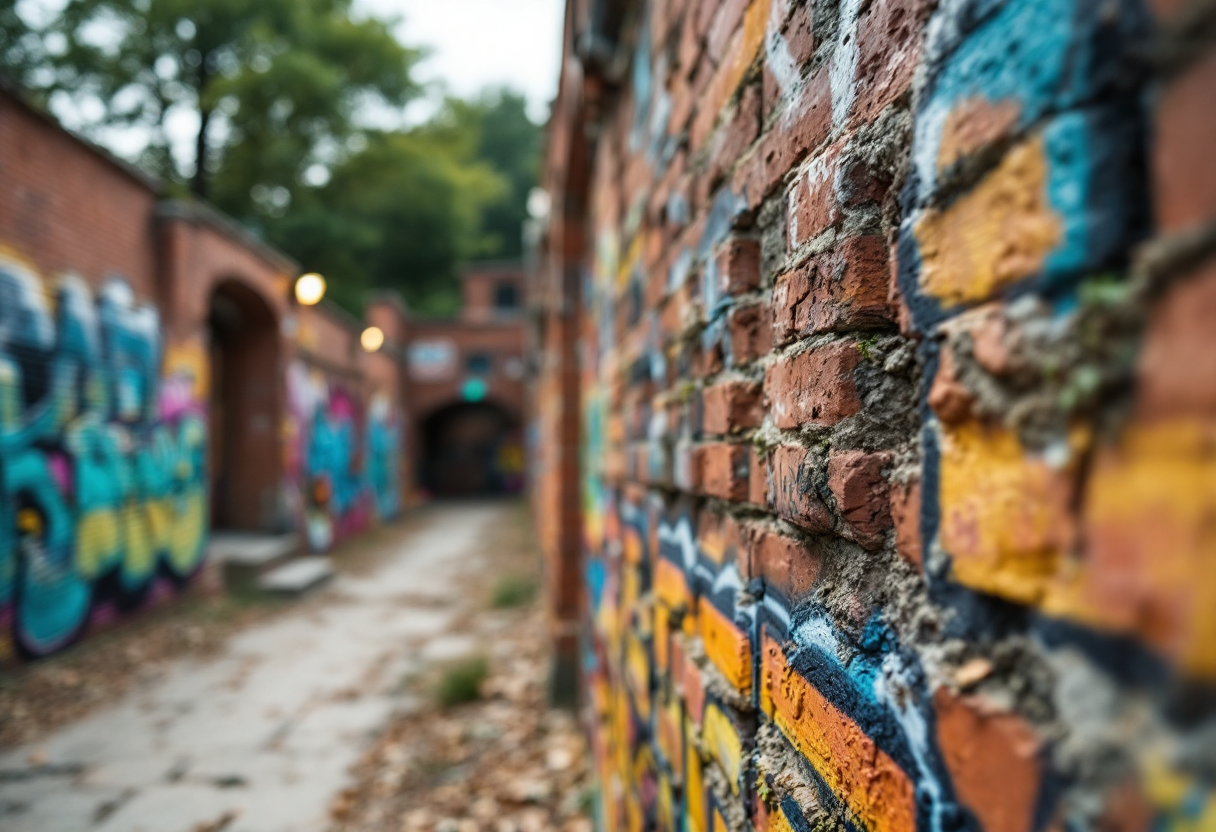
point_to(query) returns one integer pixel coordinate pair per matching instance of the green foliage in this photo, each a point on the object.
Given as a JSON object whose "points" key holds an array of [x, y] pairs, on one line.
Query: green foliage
{"points": [[513, 591], [282, 89], [276, 84], [401, 214], [21, 50], [461, 683], [496, 129]]}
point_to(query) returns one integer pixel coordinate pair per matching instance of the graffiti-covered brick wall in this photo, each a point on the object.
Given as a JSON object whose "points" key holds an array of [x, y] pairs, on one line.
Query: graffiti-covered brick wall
{"points": [[897, 410], [157, 383], [344, 429]]}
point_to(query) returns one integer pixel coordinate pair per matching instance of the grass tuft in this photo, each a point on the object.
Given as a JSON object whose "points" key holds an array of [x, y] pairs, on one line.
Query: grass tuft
{"points": [[513, 591], [461, 683]]}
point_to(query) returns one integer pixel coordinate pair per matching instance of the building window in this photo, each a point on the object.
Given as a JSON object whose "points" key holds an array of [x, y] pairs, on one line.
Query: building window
{"points": [[478, 364], [506, 297]]}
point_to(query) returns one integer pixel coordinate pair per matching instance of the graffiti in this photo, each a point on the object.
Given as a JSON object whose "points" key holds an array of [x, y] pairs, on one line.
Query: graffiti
{"points": [[102, 493], [341, 475]]}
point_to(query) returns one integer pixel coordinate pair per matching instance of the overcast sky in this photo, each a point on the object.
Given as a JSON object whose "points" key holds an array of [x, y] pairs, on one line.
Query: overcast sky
{"points": [[479, 43]]}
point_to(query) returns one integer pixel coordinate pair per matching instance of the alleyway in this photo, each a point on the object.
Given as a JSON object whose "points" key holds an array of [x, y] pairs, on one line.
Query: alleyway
{"points": [[262, 738]]}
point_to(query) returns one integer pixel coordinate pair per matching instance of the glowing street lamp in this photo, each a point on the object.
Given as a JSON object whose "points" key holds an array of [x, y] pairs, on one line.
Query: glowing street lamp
{"points": [[372, 339], [310, 288]]}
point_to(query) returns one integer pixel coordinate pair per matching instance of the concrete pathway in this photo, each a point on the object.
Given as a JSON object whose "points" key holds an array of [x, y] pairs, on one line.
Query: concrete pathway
{"points": [[262, 736]]}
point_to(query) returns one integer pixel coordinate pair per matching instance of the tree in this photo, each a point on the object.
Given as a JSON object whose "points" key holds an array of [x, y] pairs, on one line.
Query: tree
{"points": [[402, 214], [21, 53], [499, 132], [276, 84]]}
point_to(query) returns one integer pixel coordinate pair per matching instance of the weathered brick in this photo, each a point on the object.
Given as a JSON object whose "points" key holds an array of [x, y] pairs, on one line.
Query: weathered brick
{"points": [[814, 200], [814, 388], [739, 265], [993, 759], [856, 480], [724, 470], [732, 406], [787, 564], [792, 494], [750, 333], [905, 514], [1184, 172], [844, 289], [1177, 371], [889, 35]]}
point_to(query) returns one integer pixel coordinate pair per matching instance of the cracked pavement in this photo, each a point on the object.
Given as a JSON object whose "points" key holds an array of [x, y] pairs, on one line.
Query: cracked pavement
{"points": [[261, 738]]}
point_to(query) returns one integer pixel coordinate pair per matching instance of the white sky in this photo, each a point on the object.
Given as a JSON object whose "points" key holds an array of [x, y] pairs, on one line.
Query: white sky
{"points": [[479, 43], [473, 44]]}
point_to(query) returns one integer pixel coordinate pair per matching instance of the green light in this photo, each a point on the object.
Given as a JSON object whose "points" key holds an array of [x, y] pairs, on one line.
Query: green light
{"points": [[473, 390]]}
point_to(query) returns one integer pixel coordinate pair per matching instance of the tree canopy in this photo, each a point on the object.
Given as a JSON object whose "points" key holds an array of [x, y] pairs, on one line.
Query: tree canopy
{"points": [[282, 95]]}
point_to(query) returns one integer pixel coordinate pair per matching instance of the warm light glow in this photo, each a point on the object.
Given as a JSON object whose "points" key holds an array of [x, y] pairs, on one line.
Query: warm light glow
{"points": [[310, 288], [372, 338]]}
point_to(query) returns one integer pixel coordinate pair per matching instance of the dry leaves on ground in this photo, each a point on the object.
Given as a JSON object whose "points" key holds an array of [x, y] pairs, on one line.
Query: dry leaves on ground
{"points": [[506, 763]]}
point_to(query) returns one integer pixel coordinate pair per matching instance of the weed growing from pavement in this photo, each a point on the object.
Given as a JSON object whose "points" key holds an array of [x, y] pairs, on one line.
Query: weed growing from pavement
{"points": [[513, 591], [461, 683]]}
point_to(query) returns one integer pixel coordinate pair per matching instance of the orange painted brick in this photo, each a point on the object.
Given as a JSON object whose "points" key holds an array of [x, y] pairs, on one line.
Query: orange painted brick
{"points": [[993, 761]]}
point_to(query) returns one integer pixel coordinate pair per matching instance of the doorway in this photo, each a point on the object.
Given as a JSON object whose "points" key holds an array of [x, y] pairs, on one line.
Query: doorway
{"points": [[244, 455]]}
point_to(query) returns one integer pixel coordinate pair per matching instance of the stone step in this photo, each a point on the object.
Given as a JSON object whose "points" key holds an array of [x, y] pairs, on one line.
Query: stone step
{"points": [[244, 558], [297, 576]]}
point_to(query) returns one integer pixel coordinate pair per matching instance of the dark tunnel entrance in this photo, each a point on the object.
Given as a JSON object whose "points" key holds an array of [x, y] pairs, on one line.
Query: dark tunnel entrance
{"points": [[472, 449]]}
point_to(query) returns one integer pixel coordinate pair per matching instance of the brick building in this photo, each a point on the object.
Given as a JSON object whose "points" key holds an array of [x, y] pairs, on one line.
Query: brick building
{"points": [[158, 381], [467, 387], [877, 470]]}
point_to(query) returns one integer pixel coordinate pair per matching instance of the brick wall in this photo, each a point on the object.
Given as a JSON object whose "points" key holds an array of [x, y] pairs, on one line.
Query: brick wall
{"points": [[155, 381], [897, 404]]}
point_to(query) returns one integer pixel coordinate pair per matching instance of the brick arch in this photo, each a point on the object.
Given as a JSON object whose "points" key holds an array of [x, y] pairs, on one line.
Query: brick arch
{"points": [[471, 448]]}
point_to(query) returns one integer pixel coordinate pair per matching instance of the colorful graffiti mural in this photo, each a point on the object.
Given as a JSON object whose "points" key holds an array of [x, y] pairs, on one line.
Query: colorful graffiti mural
{"points": [[102, 481], [343, 464], [896, 500]]}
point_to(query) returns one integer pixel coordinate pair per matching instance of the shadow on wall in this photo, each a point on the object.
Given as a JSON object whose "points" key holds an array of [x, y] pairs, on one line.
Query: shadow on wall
{"points": [[103, 503], [472, 449]]}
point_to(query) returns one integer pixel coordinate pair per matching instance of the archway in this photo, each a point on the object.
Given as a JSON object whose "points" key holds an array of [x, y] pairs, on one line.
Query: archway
{"points": [[244, 453], [470, 449]]}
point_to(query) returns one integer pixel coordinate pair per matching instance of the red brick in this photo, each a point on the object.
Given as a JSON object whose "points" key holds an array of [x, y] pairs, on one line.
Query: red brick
{"points": [[758, 478], [814, 388], [1177, 372], [856, 480], [786, 563], [814, 200], [802, 128], [732, 406], [799, 40], [792, 492], [724, 470], [725, 24], [905, 514], [889, 34], [950, 400], [1184, 170], [731, 141], [993, 759], [844, 289], [750, 332], [739, 266]]}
